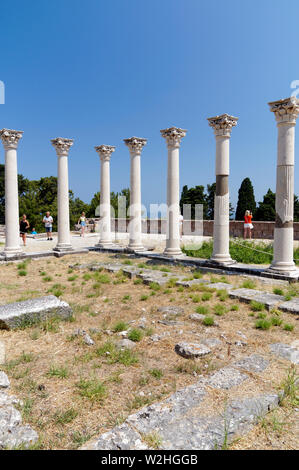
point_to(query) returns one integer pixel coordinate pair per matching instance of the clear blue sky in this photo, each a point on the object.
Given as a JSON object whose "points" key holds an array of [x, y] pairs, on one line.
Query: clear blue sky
{"points": [[99, 71]]}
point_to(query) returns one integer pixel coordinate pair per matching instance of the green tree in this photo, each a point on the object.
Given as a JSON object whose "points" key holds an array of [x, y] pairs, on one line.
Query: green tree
{"points": [[194, 196], [246, 199], [93, 210], [211, 190], [266, 208]]}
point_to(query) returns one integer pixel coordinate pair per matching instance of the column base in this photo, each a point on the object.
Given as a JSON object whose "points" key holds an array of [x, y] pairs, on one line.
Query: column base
{"points": [[104, 244], [221, 259], [172, 252], [132, 248], [60, 248], [283, 268]]}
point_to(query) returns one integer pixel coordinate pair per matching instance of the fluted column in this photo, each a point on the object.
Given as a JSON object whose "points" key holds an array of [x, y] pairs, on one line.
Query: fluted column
{"points": [[10, 139], [62, 147], [222, 126], [286, 112], [105, 152], [135, 145], [173, 137]]}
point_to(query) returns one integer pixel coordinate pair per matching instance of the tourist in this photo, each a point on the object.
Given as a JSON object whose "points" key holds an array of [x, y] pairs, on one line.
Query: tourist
{"points": [[82, 223], [248, 224], [181, 225], [48, 221], [34, 232], [24, 226]]}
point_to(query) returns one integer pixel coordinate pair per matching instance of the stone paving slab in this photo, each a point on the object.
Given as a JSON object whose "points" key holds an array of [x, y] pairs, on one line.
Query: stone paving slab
{"points": [[290, 306], [179, 423], [247, 295], [286, 351], [226, 378], [253, 363], [220, 286], [24, 313]]}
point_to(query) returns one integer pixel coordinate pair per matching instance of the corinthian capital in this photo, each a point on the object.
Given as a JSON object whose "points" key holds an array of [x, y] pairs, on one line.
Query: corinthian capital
{"points": [[105, 152], [223, 124], [286, 111], [173, 136], [135, 144], [62, 146], [10, 138]]}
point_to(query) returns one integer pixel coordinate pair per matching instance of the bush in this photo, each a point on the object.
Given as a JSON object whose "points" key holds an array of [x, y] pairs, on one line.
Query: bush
{"points": [[208, 321], [219, 309], [256, 306], [263, 324], [202, 310], [135, 335]]}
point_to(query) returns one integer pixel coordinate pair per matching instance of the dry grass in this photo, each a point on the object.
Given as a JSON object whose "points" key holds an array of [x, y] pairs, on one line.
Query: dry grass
{"points": [[72, 391]]}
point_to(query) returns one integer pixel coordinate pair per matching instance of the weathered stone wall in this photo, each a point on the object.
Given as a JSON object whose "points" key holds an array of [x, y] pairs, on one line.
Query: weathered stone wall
{"points": [[261, 229]]}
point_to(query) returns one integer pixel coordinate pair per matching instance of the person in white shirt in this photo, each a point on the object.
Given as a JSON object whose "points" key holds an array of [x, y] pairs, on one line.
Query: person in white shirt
{"points": [[48, 221], [181, 221]]}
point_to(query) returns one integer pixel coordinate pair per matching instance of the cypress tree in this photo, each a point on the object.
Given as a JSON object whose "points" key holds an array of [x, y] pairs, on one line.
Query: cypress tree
{"points": [[246, 199]]}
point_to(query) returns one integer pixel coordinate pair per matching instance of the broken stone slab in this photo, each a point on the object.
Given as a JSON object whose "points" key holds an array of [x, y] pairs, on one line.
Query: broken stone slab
{"points": [[198, 432], [158, 415], [253, 363], [131, 271], [6, 399], [225, 378], [191, 350], [12, 433], [192, 282], [122, 437], [197, 317], [4, 381], [180, 425], [247, 295], [171, 311], [220, 286], [290, 306], [18, 437], [28, 312], [125, 344], [286, 351]]}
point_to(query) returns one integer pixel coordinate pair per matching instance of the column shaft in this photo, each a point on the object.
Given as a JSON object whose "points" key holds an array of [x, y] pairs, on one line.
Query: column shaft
{"points": [[105, 237], [135, 145], [62, 147], [221, 204], [12, 230], [10, 139], [284, 202], [286, 112], [173, 203], [64, 241], [135, 203]]}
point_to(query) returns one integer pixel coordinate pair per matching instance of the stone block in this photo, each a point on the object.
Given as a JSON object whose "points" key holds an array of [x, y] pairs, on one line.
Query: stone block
{"points": [[21, 314]]}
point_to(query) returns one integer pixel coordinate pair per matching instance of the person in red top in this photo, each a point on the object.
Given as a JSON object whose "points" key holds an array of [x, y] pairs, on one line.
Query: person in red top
{"points": [[248, 224]]}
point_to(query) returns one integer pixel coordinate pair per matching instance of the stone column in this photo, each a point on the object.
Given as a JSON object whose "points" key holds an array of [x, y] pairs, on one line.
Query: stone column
{"points": [[105, 152], [62, 147], [222, 126], [173, 137], [135, 145], [10, 140], [286, 112]]}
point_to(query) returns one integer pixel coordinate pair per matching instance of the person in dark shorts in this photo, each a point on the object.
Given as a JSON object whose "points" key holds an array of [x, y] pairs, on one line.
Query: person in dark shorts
{"points": [[24, 226], [48, 221]]}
